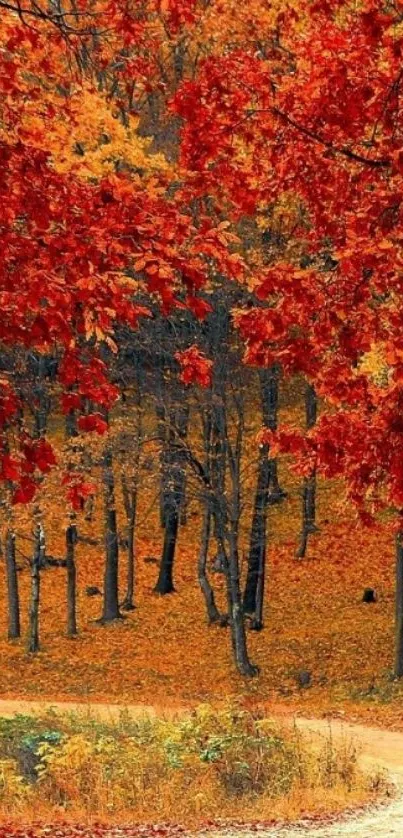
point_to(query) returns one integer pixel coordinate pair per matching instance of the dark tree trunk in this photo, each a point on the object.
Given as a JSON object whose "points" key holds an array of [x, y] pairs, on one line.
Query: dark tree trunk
{"points": [[236, 615], [225, 462], [14, 626], [111, 581], [165, 583], [213, 613], [276, 493], [175, 470], [42, 546], [269, 392], [309, 485], [33, 636], [130, 501], [163, 433], [267, 492], [71, 540], [254, 589], [398, 669], [218, 468]]}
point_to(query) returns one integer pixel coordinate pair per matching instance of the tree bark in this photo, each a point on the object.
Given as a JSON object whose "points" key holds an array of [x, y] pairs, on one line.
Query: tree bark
{"points": [[111, 580], [42, 546], [130, 501], [163, 432], [175, 465], [14, 625], [236, 615], [33, 636], [213, 613], [309, 485], [254, 589], [398, 668], [71, 540], [165, 584], [269, 394], [268, 492]]}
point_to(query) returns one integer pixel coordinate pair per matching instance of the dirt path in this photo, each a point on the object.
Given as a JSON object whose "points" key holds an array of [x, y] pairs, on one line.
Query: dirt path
{"points": [[377, 749]]}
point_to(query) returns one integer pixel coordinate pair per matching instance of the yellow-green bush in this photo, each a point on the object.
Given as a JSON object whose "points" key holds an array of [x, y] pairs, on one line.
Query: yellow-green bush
{"points": [[208, 762]]}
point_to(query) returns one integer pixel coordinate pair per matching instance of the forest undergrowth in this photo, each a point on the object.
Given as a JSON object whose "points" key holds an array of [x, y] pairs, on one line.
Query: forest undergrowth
{"points": [[232, 765]]}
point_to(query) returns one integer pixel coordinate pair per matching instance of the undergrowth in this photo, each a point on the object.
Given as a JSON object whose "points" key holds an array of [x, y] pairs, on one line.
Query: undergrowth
{"points": [[230, 763]]}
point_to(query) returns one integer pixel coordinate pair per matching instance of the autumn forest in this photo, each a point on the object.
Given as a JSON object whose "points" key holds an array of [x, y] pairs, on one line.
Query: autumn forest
{"points": [[201, 400]]}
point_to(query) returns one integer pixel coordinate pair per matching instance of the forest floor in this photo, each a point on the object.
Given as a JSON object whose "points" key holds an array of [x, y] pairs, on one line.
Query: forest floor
{"points": [[164, 653]]}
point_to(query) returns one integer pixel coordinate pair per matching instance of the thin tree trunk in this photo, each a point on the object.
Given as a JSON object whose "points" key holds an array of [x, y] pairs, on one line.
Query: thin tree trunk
{"points": [[267, 492], [398, 669], [162, 431], [131, 508], [71, 540], [111, 581], [14, 625], [257, 622], [175, 466], [218, 468], [309, 485], [269, 390], [213, 613], [33, 636], [236, 615], [254, 589], [42, 546], [165, 584], [276, 493]]}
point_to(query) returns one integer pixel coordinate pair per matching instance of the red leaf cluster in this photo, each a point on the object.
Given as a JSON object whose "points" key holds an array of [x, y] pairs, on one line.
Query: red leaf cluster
{"points": [[195, 367]]}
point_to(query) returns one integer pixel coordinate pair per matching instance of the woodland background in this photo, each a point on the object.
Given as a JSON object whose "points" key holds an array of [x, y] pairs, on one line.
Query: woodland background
{"points": [[200, 350]]}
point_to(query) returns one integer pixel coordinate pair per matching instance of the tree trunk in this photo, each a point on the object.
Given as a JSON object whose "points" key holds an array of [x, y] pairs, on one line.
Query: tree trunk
{"points": [[33, 637], [162, 431], [165, 583], [111, 580], [42, 546], [71, 540], [398, 670], [175, 471], [309, 485], [236, 615], [213, 613], [268, 491], [14, 626], [269, 387], [131, 507], [254, 589], [218, 469]]}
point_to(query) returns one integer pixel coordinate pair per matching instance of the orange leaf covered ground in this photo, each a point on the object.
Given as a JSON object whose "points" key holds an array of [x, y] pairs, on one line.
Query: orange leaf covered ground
{"points": [[164, 652]]}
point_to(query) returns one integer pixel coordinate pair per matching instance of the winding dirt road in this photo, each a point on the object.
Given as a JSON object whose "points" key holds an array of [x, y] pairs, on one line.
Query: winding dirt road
{"points": [[378, 749]]}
